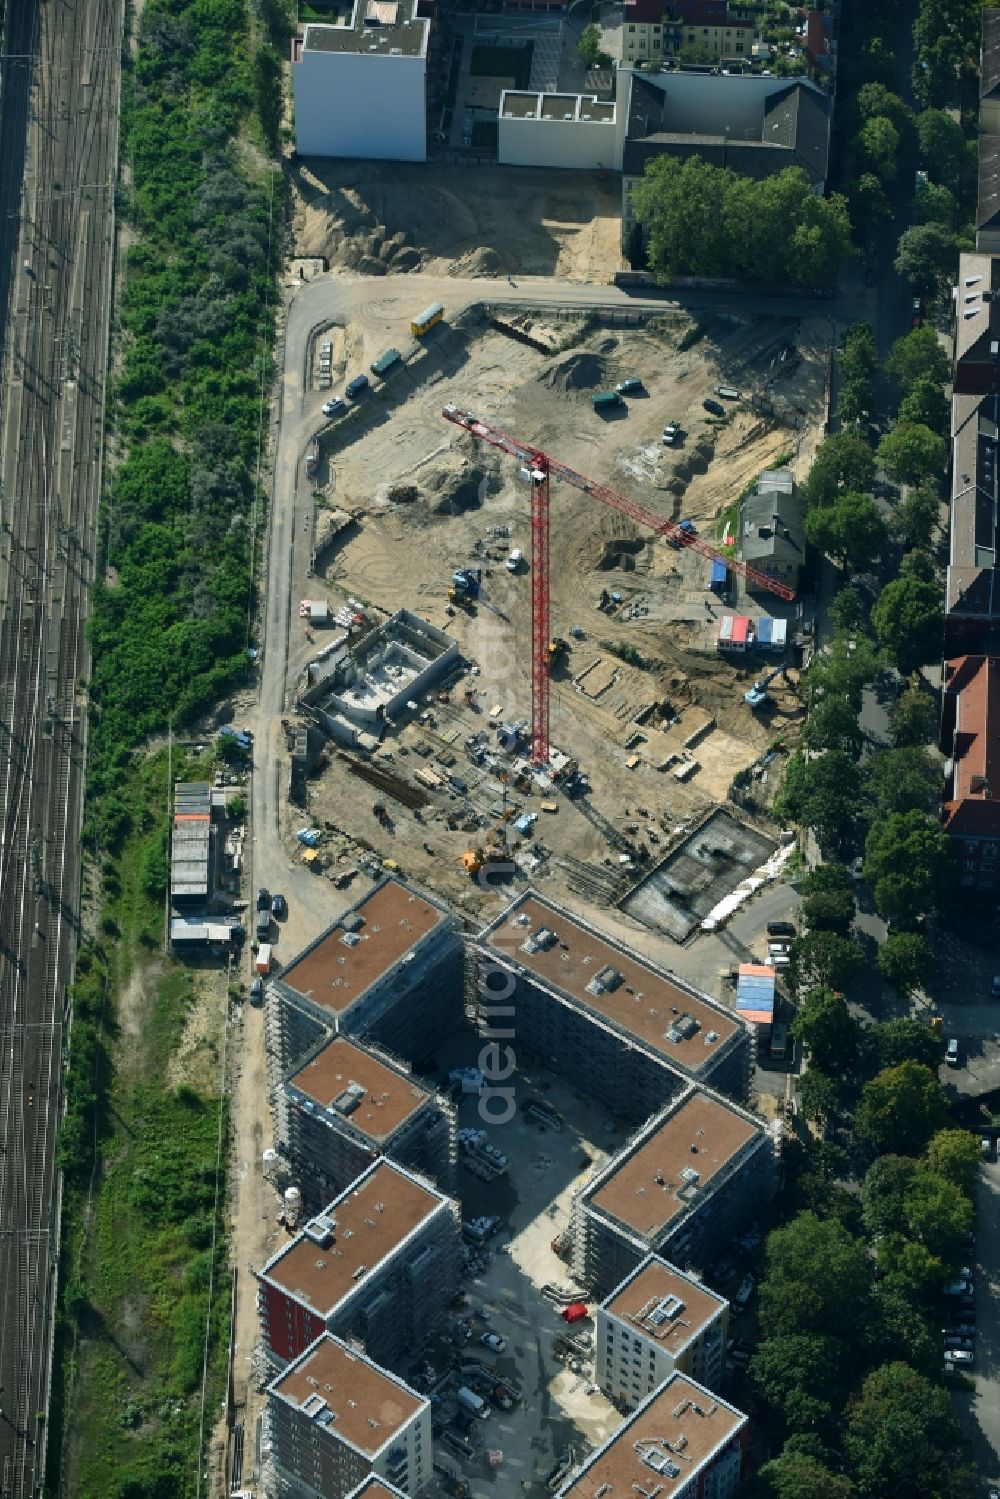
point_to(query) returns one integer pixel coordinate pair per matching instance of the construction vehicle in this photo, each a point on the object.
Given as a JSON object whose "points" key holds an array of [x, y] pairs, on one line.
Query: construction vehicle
{"points": [[557, 650], [537, 468], [758, 694], [379, 811]]}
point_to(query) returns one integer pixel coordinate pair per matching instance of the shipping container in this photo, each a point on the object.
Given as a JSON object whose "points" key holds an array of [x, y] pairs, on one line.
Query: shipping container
{"points": [[427, 319], [386, 362], [606, 400]]}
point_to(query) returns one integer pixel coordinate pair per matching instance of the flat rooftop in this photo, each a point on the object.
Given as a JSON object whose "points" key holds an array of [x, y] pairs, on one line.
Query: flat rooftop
{"points": [[333, 1078], [387, 27], [667, 1307], [376, 1488], [648, 1189], [673, 1433], [516, 104], [671, 1018], [368, 1406], [339, 966], [371, 1220]]}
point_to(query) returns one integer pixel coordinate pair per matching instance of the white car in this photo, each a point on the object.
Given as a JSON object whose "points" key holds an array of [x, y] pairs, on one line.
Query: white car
{"points": [[777, 948], [958, 1356], [493, 1341], [671, 432], [330, 408], [951, 1053]]}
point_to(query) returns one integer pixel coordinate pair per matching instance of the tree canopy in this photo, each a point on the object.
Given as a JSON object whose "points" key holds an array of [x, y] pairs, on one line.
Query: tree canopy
{"points": [[710, 221], [851, 530], [927, 257], [918, 355], [912, 452], [908, 619], [845, 461], [902, 1437], [902, 1039], [954, 1155], [900, 1109], [800, 1475], [817, 1281], [803, 1377], [902, 780], [827, 1030], [906, 960], [822, 793], [916, 515], [913, 719], [908, 866]]}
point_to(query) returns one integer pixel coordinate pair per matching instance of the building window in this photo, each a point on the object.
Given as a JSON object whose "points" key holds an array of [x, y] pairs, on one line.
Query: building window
{"points": [[631, 28], [739, 46]]}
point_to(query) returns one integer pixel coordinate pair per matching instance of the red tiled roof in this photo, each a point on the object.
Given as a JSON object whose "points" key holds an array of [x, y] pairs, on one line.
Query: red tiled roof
{"points": [[973, 806]]}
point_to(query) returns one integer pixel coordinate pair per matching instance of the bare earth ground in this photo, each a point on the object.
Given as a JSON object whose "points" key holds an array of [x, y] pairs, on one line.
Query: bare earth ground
{"points": [[374, 217]]}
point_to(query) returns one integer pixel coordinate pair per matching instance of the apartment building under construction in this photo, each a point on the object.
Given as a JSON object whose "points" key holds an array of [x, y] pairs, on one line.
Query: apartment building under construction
{"points": [[683, 1187], [587, 1006], [682, 1442], [659, 1322], [390, 970], [380, 1265], [334, 1417], [345, 1106]]}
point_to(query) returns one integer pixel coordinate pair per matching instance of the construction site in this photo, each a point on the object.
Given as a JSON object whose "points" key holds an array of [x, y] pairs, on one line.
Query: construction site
{"points": [[419, 517]]}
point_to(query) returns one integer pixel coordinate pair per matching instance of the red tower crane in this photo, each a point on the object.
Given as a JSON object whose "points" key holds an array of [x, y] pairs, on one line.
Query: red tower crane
{"points": [[539, 466]]}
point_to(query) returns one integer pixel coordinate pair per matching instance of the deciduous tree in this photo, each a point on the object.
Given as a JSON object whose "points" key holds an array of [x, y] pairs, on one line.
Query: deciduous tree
{"points": [[919, 354], [908, 865], [906, 960], [900, 1109], [912, 453], [818, 1279], [902, 1437], [908, 620]]}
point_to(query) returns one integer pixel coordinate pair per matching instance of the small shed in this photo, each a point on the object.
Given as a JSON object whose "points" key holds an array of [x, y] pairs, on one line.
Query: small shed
{"points": [[317, 611], [262, 962], [734, 632], [755, 984]]}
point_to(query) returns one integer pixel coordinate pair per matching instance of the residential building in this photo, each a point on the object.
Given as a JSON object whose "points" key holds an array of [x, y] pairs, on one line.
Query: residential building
{"points": [[972, 594], [753, 125], [370, 683], [970, 738], [390, 970], [772, 529], [659, 1322], [683, 1187], [344, 1106], [360, 87], [586, 1005], [820, 43], [654, 29], [977, 326], [575, 131], [988, 199], [333, 1418], [380, 1264], [682, 1442]]}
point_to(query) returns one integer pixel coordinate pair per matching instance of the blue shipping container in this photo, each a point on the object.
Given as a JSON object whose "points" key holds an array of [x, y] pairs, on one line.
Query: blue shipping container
{"points": [[719, 574], [764, 630]]}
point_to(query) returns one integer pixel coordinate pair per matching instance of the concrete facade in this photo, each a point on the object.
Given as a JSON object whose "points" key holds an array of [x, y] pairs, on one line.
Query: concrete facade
{"points": [[369, 682], [379, 1265], [360, 89], [656, 1323], [590, 1008], [344, 1106], [391, 970], [334, 1417], [556, 130], [689, 1182]]}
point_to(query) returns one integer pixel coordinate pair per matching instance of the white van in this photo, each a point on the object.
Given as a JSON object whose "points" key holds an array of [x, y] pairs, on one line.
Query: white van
{"points": [[514, 560]]}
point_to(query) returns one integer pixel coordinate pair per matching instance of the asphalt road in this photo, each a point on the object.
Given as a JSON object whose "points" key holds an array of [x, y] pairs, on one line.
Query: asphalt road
{"points": [[55, 340], [980, 1411]]}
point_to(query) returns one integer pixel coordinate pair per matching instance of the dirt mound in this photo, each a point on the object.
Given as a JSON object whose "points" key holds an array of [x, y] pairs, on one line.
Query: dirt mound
{"points": [[454, 493], [484, 262], [580, 371]]}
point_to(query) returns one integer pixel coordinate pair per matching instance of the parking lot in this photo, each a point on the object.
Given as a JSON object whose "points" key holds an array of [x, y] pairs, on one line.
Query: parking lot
{"points": [[557, 1405]]}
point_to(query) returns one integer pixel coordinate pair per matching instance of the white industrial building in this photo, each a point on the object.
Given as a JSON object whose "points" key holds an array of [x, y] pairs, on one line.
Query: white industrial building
{"points": [[360, 87], [556, 130]]}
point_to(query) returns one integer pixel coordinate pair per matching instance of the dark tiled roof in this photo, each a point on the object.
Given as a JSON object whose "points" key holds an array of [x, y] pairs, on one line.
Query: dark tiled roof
{"points": [[989, 72], [988, 209]]}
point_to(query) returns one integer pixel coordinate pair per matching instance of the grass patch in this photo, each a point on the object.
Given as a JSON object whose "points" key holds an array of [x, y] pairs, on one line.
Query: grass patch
{"points": [[503, 62], [137, 1265], [730, 517]]}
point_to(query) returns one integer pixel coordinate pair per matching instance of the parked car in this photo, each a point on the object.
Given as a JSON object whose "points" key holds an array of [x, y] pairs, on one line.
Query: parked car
{"points": [[958, 1356], [951, 1053], [715, 408], [960, 1330], [776, 949], [995, 986], [256, 991], [986, 1148], [780, 929], [263, 899], [493, 1341], [630, 386], [279, 907], [742, 1297], [671, 432], [356, 386], [331, 407], [961, 1287]]}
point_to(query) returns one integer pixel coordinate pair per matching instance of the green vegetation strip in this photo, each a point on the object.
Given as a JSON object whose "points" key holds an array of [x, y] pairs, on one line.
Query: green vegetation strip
{"points": [[141, 1339]]}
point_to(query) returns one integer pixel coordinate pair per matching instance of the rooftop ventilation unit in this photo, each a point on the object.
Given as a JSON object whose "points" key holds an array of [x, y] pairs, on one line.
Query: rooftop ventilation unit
{"points": [[347, 1101], [666, 1310], [605, 981], [683, 1028], [690, 1175], [539, 941], [350, 939], [351, 921], [660, 1463], [320, 1230]]}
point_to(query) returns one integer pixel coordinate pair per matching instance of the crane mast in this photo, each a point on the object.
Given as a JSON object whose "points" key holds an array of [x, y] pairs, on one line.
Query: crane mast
{"points": [[540, 467]]}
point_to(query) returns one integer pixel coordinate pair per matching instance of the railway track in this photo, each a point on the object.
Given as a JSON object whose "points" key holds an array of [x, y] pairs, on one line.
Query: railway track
{"points": [[59, 105]]}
